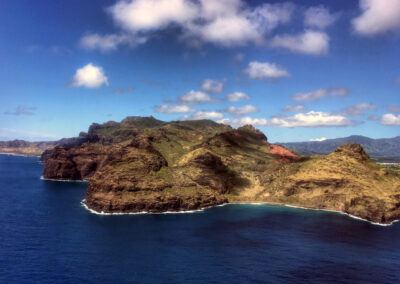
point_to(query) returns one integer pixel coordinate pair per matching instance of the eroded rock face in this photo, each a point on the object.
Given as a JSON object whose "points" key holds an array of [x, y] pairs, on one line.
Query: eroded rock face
{"points": [[75, 163], [282, 154]]}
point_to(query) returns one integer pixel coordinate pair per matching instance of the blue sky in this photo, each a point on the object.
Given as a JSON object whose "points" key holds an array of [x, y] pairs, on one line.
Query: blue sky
{"points": [[296, 70]]}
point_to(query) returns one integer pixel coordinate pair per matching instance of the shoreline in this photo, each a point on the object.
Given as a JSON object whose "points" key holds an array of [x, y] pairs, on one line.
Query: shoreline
{"points": [[316, 209], [84, 205], [63, 180], [20, 155], [235, 203]]}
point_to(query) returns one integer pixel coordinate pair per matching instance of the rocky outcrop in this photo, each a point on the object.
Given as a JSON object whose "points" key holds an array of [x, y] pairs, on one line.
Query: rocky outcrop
{"points": [[352, 150]]}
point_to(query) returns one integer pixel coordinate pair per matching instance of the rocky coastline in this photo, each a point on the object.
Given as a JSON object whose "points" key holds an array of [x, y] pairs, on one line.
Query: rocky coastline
{"points": [[146, 165]]}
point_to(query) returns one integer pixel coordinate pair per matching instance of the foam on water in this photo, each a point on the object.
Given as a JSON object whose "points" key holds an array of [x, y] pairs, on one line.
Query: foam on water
{"points": [[235, 203], [147, 212], [62, 180]]}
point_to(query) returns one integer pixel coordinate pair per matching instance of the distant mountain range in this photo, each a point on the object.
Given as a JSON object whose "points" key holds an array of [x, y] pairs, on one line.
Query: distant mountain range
{"points": [[383, 150]]}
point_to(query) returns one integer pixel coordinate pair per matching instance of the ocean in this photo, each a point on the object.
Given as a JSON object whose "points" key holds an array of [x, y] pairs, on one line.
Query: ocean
{"points": [[47, 236]]}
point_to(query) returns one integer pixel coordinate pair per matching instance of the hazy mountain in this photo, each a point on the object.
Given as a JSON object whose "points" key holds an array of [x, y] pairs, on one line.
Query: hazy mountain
{"points": [[385, 149]]}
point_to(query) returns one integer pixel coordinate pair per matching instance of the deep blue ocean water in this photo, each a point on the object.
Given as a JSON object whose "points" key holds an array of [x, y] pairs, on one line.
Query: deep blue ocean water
{"points": [[46, 236]]}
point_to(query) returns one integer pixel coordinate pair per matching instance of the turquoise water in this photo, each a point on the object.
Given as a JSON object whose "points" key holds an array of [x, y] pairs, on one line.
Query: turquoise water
{"points": [[46, 236]]}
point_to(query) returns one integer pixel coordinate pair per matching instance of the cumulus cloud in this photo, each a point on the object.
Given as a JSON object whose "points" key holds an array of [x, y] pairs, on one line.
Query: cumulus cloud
{"points": [[222, 22], [319, 17], [321, 93], [89, 76], [239, 111], [173, 109], [358, 109], [294, 108], [310, 119], [203, 115], [22, 110], [144, 15], [309, 42], [265, 70], [237, 96], [195, 98], [377, 17], [394, 108], [109, 42], [244, 121], [318, 139], [390, 119], [213, 86]]}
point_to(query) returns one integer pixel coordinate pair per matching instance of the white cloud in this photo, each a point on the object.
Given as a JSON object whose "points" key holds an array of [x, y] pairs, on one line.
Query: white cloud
{"points": [[318, 139], [310, 119], [294, 108], [319, 17], [309, 42], [222, 22], [244, 121], [238, 111], [237, 96], [358, 109], [145, 15], [213, 86], [311, 96], [233, 23], [321, 93], [265, 70], [173, 109], [230, 30], [194, 98], [89, 76], [378, 16], [269, 16], [211, 9], [109, 42], [390, 119], [203, 115]]}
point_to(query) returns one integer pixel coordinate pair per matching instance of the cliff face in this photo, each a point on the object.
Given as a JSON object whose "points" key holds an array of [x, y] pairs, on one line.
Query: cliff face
{"points": [[143, 164]]}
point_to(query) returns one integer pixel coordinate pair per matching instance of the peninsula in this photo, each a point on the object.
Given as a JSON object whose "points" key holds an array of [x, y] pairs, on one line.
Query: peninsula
{"points": [[144, 164]]}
